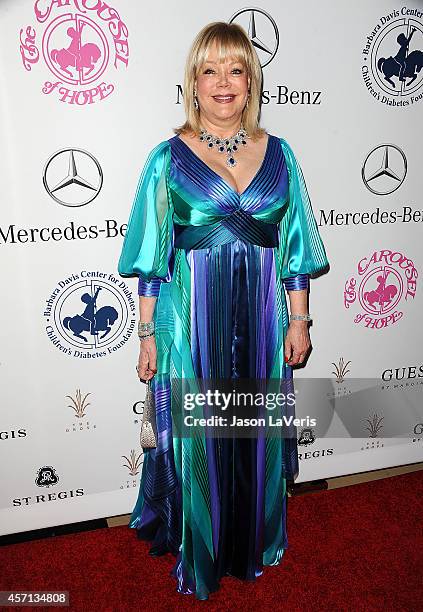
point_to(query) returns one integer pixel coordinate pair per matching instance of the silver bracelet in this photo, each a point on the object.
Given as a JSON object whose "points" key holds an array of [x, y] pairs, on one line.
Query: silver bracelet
{"points": [[142, 336], [298, 317], [145, 326], [145, 329]]}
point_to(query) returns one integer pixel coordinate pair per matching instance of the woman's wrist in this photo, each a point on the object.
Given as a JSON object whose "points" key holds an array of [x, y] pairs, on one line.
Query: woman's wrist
{"points": [[147, 339], [300, 318], [146, 329]]}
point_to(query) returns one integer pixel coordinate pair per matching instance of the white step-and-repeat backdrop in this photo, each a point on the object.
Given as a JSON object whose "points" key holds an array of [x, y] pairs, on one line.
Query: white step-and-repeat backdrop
{"points": [[87, 89]]}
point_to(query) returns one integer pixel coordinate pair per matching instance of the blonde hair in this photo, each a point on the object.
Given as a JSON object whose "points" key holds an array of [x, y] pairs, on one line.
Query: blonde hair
{"points": [[232, 41]]}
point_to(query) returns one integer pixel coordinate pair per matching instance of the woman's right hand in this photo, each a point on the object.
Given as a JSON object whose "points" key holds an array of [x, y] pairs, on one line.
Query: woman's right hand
{"points": [[147, 361]]}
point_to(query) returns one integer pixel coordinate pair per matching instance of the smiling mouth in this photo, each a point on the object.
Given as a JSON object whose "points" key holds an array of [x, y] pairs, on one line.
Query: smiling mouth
{"points": [[224, 99]]}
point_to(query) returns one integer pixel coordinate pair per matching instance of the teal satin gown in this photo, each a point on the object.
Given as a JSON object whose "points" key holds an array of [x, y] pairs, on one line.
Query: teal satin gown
{"points": [[218, 261]]}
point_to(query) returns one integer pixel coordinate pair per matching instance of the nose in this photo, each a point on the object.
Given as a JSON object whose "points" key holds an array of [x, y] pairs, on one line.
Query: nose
{"points": [[222, 78]]}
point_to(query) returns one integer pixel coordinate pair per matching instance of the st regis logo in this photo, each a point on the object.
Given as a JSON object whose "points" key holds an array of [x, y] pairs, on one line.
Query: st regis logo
{"points": [[82, 42], [383, 282]]}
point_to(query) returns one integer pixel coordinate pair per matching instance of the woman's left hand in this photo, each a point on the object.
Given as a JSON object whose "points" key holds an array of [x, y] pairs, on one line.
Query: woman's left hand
{"points": [[297, 342]]}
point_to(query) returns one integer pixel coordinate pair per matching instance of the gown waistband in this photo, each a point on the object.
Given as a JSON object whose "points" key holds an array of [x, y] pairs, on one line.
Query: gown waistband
{"points": [[236, 226]]}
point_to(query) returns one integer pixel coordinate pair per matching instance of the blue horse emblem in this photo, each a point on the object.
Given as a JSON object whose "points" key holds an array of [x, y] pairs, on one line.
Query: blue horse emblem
{"points": [[91, 320], [402, 64]]}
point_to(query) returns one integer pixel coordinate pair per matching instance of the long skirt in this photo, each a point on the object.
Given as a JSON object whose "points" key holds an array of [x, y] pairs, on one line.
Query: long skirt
{"points": [[218, 503]]}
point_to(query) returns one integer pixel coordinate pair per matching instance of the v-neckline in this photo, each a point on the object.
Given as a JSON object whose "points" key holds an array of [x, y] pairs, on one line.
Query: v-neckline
{"points": [[221, 179]]}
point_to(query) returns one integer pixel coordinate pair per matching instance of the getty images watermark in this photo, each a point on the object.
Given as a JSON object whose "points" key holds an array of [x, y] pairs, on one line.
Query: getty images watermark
{"points": [[236, 408], [227, 402], [251, 408]]}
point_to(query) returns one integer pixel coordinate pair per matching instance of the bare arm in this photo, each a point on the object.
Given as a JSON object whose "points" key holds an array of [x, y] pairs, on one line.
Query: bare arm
{"points": [[147, 361], [297, 341], [146, 307]]}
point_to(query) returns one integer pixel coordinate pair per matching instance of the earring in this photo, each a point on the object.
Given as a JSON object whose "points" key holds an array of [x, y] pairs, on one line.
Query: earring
{"points": [[248, 98], [195, 100]]}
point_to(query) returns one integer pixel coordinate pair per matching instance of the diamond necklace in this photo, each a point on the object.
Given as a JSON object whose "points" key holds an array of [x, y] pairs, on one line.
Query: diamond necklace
{"points": [[228, 145]]}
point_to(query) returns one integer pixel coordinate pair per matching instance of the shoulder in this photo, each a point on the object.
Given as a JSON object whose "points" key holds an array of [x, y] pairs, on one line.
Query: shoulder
{"points": [[159, 154], [290, 156], [286, 147], [160, 149]]}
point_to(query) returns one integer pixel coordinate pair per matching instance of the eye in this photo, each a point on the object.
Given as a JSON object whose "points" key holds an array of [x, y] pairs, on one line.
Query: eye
{"points": [[208, 70], [237, 70]]}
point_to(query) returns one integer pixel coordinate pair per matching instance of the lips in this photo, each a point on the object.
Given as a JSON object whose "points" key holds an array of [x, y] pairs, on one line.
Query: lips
{"points": [[224, 99]]}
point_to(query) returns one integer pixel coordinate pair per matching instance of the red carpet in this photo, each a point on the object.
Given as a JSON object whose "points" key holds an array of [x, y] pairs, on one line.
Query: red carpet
{"points": [[355, 548]]}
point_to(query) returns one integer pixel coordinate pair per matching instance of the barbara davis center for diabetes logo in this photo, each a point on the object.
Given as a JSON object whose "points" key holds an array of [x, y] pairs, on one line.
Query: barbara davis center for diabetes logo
{"points": [[90, 315], [393, 58]]}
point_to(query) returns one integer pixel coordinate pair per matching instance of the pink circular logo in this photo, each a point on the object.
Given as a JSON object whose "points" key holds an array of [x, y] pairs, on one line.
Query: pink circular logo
{"points": [[381, 284], [81, 48]]}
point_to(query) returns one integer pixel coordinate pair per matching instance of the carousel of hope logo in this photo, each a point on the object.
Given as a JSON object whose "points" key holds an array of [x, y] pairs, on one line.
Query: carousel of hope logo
{"points": [[383, 282], [80, 41]]}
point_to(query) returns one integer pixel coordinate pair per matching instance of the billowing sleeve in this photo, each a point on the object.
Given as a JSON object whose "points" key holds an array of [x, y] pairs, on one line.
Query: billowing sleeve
{"points": [[301, 248], [147, 249]]}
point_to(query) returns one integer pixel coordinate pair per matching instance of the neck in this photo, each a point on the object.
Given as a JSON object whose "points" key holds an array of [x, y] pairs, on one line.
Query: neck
{"points": [[222, 130]]}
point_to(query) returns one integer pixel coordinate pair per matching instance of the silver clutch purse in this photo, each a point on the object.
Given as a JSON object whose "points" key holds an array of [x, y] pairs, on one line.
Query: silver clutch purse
{"points": [[148, 434]]}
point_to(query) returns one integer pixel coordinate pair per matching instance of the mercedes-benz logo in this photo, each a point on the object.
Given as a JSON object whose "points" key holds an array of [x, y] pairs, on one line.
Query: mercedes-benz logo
{"points": [[262, 30], [70, 175], [384, 169]]}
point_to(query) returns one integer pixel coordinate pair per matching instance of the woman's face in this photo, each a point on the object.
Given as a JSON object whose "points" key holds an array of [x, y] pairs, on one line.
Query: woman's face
{"points": [[222, 89]]}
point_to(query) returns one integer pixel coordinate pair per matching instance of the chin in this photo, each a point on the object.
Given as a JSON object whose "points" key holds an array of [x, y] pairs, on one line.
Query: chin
{"points": [[228, 110]]}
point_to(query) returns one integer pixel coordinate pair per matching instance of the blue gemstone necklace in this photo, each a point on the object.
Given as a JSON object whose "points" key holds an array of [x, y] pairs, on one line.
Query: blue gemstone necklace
{"points": [[225, 145]]}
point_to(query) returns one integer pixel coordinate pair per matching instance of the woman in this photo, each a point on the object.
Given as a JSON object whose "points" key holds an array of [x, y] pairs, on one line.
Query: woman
{"points": [[220, 223]]}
